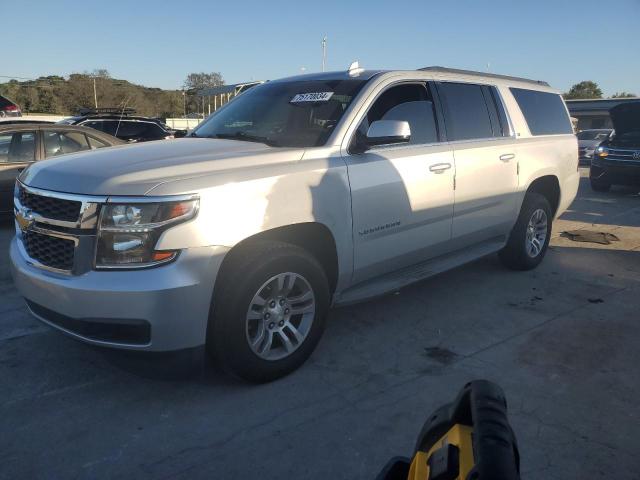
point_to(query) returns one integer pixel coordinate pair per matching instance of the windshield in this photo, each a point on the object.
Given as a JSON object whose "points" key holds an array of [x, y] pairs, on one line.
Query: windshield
{"points": [[283, 114], [593, 134]]}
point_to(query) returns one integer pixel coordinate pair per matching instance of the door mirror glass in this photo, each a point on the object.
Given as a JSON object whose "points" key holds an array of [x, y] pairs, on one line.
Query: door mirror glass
{"points": [[387, 132]]}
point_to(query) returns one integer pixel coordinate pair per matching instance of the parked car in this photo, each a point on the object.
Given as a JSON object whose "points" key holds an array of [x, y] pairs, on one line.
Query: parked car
{"points": [[22, 121], [9, 108], [617, 160], [302, 193], [588, 141], [123, 125], [25, 143]]}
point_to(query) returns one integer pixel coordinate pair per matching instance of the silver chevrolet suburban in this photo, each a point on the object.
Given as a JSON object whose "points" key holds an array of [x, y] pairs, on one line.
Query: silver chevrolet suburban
{"points": [[300, 194]]}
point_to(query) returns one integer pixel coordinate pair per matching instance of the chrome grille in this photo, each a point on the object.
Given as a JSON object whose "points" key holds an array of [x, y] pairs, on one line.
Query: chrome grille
{"points": [[50, 207], [624, 155], [52, 252]]}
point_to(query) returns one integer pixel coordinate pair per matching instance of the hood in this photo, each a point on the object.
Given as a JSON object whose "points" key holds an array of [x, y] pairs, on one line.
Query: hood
{"points": [[135, 169], [626, 118]]}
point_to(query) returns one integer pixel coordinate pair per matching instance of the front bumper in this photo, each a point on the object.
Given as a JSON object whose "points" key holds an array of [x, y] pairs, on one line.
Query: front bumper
{"points": [[159, 309], [615, 172]]}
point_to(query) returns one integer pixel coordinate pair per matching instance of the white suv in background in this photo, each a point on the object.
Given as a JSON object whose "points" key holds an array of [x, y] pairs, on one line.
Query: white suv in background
{"points": [[300, 194]]}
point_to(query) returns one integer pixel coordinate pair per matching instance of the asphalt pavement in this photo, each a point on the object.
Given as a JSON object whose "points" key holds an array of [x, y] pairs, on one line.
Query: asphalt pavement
{"points": [[562, 340]]}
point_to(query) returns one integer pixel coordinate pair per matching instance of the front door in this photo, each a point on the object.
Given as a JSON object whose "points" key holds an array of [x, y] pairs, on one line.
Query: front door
{"points": [[402, 195]]}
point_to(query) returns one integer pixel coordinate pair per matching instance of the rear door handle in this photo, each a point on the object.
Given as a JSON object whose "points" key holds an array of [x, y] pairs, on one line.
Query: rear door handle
{"points": [[507, 156], [439, 167]]}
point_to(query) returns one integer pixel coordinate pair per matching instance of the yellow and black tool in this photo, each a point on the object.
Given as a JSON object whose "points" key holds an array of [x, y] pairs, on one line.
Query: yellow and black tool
{"points": [[468, 439]]}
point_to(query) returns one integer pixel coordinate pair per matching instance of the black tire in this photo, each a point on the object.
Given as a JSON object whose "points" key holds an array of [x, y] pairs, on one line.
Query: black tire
{"points": [[515, 255], [598, 186], [242, 276]]}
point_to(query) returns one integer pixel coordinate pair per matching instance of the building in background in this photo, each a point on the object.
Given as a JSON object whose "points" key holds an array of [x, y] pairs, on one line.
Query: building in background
{"points": [[594, 113]]}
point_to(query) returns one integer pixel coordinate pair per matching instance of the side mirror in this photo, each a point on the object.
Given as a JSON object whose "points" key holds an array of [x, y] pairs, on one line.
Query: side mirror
{"points": [[387, 132]]}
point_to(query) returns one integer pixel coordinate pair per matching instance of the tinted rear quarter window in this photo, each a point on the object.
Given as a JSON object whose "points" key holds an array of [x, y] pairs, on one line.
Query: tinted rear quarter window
{"points": [[465, 111], [544, 112]]}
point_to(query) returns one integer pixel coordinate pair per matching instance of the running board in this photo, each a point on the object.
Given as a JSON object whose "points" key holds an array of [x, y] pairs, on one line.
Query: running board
{"points": [[414, 273]]}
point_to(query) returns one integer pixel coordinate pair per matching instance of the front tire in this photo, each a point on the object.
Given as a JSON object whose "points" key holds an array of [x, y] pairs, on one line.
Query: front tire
{"points": [[269, 310], [530, 236]]}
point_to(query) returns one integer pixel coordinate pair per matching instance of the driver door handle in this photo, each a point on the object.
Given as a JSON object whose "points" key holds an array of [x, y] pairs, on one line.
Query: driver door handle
{"points": [[439, 167], [507, 156]]}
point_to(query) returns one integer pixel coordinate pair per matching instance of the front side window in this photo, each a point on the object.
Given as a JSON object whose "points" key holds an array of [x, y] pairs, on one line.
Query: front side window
{"points": [[17, 147], [283, 114], [544, 112], [466, 113], [411, 103], [60, 143]]}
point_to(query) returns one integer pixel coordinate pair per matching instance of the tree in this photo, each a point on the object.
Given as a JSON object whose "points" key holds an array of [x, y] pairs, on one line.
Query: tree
{"points": [[585, 89], [623, 94], [197, 81]]}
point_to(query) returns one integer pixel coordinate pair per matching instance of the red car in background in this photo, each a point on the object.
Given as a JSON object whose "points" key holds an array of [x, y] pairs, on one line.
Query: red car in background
{"points": [[8, 108]]}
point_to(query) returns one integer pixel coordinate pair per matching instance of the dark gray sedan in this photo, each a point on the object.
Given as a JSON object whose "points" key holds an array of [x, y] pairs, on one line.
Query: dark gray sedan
{"points": [[25, 143]]}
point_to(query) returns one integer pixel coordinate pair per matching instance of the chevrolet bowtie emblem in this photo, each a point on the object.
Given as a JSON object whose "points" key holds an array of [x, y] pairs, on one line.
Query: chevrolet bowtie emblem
{"points": [[25, 219]]}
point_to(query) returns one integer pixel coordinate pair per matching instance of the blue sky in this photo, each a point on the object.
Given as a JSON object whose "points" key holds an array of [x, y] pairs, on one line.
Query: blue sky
{"points": [[158, 43]]}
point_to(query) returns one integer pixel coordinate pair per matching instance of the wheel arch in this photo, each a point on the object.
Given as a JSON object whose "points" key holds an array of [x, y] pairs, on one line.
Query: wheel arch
{"points": [[549, 187], [314, 237]]}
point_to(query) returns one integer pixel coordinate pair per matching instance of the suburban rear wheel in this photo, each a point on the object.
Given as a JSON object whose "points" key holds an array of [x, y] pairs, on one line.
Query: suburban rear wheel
{"points": [[269, 310], [530, 236], [599, 186]]}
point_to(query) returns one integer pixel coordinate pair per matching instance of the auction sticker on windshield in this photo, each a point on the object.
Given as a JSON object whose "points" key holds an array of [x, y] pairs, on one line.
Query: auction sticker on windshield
{"points": [[312, 97]]}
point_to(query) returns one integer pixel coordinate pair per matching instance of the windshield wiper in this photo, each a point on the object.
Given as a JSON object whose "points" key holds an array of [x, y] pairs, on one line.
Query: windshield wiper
{"points": [[247, 137]]}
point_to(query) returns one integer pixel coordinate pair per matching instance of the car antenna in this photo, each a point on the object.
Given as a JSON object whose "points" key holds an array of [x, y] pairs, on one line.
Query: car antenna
{"points": [[121, 114]]}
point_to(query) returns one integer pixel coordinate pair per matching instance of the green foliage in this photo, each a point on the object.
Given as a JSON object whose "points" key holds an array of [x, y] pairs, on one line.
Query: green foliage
{"points": [[623, 94], [585, 89], [197, 81], [57, 95]]}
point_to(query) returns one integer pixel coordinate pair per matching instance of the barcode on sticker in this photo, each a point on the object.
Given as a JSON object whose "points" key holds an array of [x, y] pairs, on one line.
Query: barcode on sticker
{"points": [[312, 97]]}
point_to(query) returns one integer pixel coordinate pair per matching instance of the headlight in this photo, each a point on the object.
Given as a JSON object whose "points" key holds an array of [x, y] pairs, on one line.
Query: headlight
{"points": [[128, 233], [601, 152]]}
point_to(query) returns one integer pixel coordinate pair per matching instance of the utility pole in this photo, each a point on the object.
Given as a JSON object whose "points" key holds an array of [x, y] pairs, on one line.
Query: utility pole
{"points": [[324, 52], [95, 93], [184, 104]]}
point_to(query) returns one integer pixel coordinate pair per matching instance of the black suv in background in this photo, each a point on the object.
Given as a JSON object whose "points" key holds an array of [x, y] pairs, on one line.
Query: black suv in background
{"points": [[617, 160], [8, 108], [124, 125]]}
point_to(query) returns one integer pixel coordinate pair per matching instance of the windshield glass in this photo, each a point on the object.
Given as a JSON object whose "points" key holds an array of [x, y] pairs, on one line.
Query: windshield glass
{"points": [[593, 134], [283, 114]]}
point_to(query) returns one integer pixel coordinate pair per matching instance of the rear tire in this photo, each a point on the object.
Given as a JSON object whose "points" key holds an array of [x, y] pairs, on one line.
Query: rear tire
{"points": [[530, 236], [598, 186], [257, 331]]}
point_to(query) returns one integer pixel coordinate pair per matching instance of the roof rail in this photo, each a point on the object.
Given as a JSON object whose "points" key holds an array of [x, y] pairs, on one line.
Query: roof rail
{"points": [[482, 74], [108, 110]]}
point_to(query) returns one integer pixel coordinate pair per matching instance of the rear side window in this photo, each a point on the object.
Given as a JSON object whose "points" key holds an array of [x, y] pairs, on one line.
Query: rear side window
{"points": [[466, 113], [134, 130], [60, 143], [106, 126], [95, 143], [544, 112]]}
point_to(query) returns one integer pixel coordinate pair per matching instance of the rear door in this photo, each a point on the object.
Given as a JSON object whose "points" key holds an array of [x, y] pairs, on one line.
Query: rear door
{"points": [[17, 151], [486, 176]]}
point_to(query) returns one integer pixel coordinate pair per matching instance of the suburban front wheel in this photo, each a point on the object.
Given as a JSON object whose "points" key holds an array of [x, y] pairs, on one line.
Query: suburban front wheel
{"points": [[269, 310], [530, 236]]}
